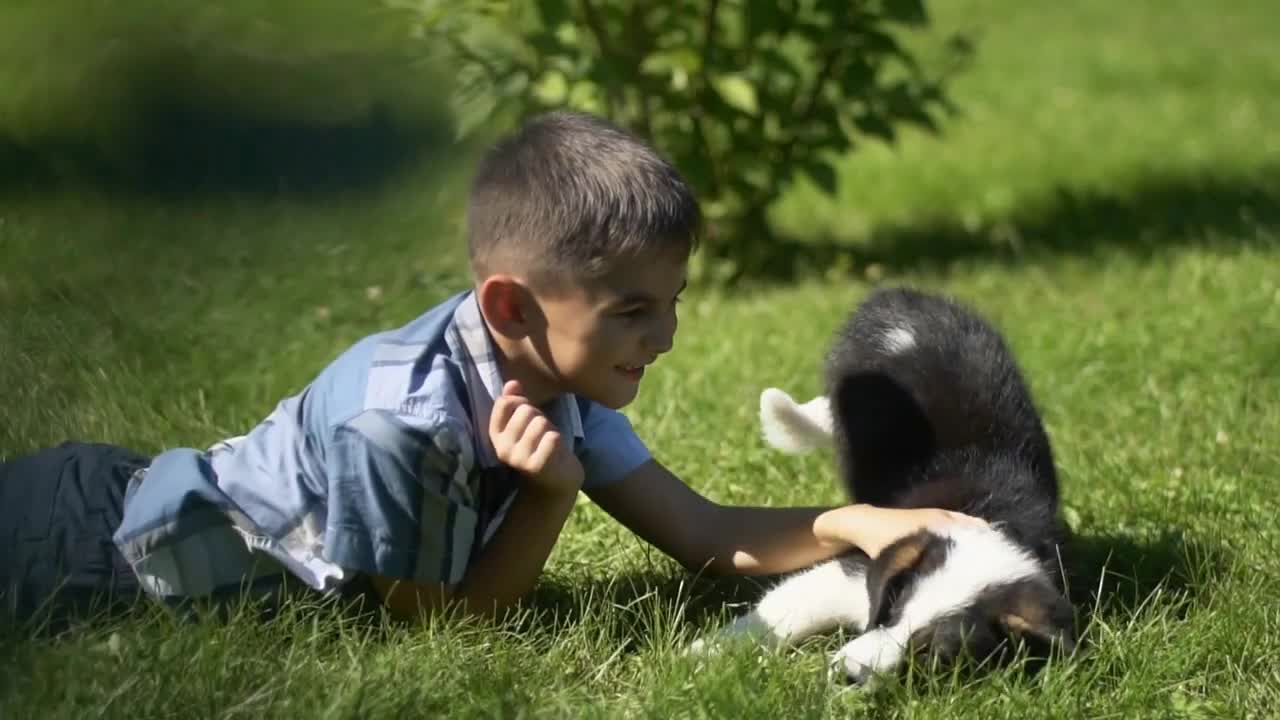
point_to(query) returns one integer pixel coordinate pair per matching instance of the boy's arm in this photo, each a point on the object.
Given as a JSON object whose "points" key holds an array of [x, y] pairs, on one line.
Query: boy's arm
{"points": [[506, 570], [526, 441], [703, 535]]}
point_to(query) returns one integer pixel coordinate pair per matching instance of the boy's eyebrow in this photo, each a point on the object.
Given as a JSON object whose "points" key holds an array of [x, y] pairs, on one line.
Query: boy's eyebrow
{"points": [[637, 297]]}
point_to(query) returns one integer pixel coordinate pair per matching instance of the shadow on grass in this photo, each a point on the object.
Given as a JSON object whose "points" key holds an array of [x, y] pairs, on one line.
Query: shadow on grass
{"points": [[698, 599], [1111, 575], [631, 609], [181, 98], [1160, 213], [179, 149]]}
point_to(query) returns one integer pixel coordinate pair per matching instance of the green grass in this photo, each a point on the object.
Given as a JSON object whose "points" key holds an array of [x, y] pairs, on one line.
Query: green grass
{"points": [[1110, 197]]}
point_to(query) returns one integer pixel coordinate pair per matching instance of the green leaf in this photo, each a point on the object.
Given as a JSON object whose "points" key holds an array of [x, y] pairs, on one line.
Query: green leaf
{"points": [[663, 62], [737, 92], [777, 61], [551, 89], [856, 77], [907, 12], [876, 126], [545, 43], [837, 11], [823, 175], [877, 41], [904, 104], [762, 16], [554, 12], [587, 96], [698, 169], [567, 34], [513, 84]]}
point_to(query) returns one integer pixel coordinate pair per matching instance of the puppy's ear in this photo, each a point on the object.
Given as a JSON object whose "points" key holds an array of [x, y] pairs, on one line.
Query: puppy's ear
{"points": [[1040, 615], [891, 571], [793, 427]]}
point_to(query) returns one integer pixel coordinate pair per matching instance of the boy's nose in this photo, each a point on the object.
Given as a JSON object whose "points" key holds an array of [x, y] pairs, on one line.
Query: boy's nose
{"points": [[661, 337]]}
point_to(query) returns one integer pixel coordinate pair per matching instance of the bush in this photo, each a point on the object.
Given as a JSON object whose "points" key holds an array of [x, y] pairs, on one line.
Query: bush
{"points": [[742, 95]]}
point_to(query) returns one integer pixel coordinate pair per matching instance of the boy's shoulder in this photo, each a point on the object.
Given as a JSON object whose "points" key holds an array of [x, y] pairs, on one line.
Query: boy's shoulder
{"points": [[416, 371]]}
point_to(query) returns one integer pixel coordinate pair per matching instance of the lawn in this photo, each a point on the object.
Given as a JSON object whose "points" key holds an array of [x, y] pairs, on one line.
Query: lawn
{"points": [[1109, 196]]}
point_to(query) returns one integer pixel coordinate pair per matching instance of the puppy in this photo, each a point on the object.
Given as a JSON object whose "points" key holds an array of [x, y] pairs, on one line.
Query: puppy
{"points": [[926, 407]]}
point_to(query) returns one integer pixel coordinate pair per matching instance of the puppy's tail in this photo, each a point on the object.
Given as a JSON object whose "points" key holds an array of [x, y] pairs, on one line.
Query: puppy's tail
{"points": [[792, 427]]}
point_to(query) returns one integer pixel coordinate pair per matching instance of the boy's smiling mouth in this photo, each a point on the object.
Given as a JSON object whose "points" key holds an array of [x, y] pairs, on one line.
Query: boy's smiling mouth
{"points": [[632, 372]]}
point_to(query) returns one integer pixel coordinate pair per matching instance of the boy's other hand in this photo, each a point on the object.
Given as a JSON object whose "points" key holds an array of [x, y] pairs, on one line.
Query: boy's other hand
{"points": [[525, 440]]}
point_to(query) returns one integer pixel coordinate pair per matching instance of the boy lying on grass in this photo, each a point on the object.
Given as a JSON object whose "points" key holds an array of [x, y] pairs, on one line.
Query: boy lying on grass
{"points": [[436, 463]]}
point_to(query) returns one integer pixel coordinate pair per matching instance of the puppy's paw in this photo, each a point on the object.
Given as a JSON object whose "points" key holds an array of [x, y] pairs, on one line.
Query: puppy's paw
{"points": [[849, 670], [746, 629], [863, 660], [702, 647]]}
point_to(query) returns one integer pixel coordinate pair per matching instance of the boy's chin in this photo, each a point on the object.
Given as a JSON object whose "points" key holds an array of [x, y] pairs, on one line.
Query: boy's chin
{"points": [[616, 403], [614, 398]]}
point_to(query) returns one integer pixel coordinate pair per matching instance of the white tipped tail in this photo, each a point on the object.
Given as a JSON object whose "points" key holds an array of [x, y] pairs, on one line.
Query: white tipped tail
{"points": [[792, 427]]}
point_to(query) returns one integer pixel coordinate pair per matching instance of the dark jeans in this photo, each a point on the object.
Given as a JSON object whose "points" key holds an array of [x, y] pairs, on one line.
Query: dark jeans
{"points": [[58, 510]]}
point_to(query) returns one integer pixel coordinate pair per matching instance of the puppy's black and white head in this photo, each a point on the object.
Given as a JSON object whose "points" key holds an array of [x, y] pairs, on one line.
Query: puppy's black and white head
{"points": [[967, 593]]}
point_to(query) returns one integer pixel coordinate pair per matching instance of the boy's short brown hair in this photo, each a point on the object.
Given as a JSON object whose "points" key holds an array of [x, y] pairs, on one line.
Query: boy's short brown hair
{"points": [[569, 196]]}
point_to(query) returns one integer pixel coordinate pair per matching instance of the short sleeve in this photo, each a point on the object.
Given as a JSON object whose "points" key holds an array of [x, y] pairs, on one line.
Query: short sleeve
{"points": [[610, 449], [399, 501]]}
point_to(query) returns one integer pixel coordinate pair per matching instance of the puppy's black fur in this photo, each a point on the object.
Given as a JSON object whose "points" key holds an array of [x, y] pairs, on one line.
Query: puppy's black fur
{"points": [[944, 421], [930, 410]]}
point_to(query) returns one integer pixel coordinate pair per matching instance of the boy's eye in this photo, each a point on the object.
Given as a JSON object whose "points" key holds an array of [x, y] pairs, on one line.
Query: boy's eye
{"points": [[636, 312]]}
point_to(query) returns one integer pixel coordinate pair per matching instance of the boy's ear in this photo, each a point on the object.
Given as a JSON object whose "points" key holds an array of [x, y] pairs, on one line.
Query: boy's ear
{"points": [[504, 302]]}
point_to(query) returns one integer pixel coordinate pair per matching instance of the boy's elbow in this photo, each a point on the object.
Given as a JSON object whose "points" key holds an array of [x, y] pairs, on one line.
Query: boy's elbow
{"points": [[724, 563], [407, 601], [710, 550], [704, 564]]}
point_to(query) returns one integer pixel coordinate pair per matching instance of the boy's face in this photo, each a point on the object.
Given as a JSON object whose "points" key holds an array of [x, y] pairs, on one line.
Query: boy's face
{"points": [[599, 337]]}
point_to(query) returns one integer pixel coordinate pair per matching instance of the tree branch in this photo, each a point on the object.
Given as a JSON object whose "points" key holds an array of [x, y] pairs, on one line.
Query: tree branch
{"points": [[709, 34], [704, 84], [829, 61], [601, 35]]}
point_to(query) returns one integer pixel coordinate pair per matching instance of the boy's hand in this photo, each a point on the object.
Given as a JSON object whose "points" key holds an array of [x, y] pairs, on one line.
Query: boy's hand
{"points": [[872, 529], [525, 440]]}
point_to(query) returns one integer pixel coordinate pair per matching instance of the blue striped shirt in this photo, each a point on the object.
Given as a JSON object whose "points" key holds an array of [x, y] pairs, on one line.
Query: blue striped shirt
{"points": [[381, 465]]}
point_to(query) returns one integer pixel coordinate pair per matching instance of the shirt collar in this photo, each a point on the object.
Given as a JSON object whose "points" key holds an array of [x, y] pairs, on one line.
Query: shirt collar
{"points": [[484, 380]]}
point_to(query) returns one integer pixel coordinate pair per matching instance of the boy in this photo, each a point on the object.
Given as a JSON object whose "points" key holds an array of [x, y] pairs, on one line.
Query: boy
{"points": [[437, 463]]}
